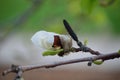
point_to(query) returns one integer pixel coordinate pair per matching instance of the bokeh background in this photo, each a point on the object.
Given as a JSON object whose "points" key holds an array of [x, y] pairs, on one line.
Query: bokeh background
{"points": [[94, 20]]}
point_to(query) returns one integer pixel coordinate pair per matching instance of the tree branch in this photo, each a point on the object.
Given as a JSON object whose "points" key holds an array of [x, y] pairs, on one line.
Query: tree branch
{"points": [[98, 56], [93, 58], [18, 69]]}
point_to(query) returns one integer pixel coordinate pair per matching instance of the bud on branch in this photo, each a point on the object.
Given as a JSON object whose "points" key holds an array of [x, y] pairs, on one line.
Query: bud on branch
{"points": [[61, 44]]}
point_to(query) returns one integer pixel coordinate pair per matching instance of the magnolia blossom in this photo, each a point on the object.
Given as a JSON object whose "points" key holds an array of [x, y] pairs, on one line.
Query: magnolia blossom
{"points": [[47, 40]]}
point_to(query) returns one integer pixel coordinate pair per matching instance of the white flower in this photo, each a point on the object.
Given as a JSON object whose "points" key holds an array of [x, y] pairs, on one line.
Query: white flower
{"points": [[46, 39]]}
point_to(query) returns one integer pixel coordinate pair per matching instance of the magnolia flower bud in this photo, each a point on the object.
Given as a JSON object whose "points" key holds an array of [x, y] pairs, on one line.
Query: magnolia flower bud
{"points": [[47, 40]]}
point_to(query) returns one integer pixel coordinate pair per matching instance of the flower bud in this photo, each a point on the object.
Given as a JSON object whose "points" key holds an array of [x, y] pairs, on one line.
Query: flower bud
{"points": [[51, 41]]}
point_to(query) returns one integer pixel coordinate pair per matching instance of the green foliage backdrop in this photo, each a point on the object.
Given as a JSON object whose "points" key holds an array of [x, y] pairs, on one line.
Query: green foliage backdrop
{"points": [[86, 16]]}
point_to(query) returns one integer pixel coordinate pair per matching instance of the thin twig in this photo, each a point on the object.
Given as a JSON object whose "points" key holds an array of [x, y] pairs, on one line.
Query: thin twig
{"points": [[93, 58], [104, 57]]}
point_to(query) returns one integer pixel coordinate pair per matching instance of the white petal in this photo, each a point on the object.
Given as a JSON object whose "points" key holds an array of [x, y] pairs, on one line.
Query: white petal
{"points": [[43, 39]]}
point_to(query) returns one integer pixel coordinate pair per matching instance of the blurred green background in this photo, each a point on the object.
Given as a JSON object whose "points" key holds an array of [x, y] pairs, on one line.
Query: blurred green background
{"points": [[85, 16]]}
